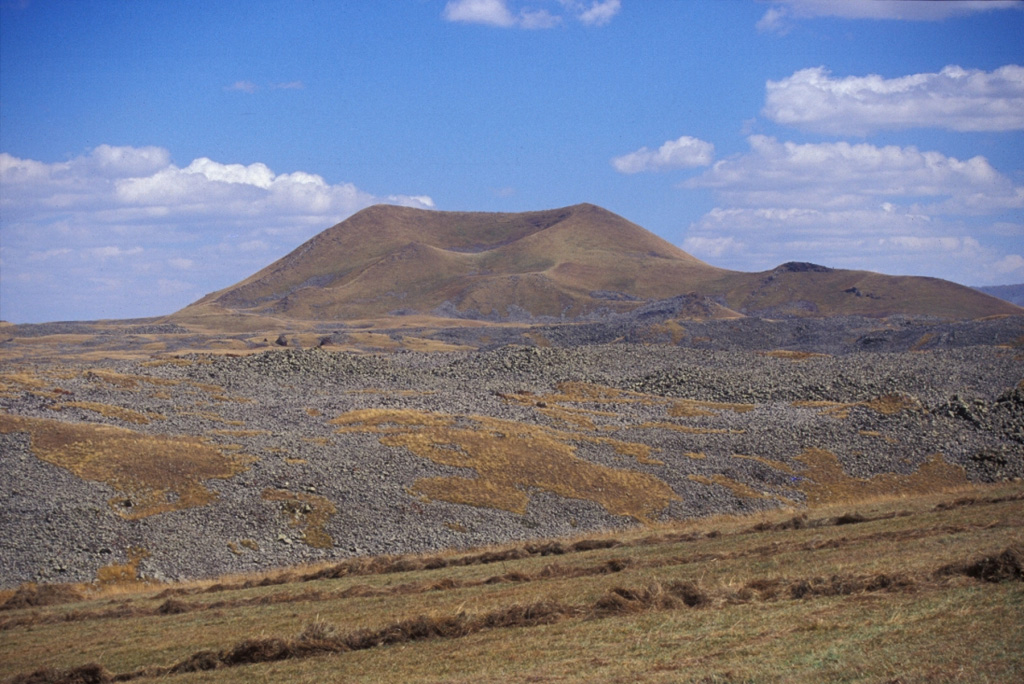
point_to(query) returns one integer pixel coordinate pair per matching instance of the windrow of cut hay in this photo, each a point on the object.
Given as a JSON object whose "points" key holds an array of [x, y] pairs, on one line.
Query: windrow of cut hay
{"points": [[319, 639]]}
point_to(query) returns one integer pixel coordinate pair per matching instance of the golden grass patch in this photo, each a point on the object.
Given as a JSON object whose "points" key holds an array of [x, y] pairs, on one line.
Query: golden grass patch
{"points": [[687, 429], [238, 433], [691, 408], [793, 355], [108, 410], [887, 404], [155, 473], [122, 573], [509, 459], [308, 512], [213, 417], [771, 463], [825, 481], [739, 489]]}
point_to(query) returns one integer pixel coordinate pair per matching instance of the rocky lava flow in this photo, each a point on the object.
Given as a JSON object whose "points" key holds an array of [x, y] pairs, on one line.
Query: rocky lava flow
{"points": [[204, 465]]}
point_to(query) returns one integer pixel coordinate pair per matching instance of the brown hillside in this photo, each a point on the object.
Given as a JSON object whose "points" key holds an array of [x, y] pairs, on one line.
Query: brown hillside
{"points": [[561, 262]]}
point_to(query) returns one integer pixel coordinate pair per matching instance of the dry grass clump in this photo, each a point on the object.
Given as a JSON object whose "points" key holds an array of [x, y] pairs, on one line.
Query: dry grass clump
{"points": [[739, 489], [824, 480], [122, 573], [1007, 566], [509, 458], [156, 473], [118, 412], [915, 587], [792, 355], [309, 512], [692, 408], [888, 404], [31, 595]]}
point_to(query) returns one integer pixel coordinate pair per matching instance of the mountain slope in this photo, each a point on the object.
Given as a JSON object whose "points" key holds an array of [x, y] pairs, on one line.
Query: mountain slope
{"points": [[562, 263]]}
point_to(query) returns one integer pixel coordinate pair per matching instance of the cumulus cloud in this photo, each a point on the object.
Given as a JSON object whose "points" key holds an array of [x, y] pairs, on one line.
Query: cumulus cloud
{"points": [[891, 209], [682, 153], [598, 13], [498, 13], [777, 17], [955, 98], [843, 175], [490, 12], [129, 216]]}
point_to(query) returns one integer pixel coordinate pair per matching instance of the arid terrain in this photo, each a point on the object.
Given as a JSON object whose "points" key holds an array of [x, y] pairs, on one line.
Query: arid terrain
{"points": [[293, 471], [181, 466]]}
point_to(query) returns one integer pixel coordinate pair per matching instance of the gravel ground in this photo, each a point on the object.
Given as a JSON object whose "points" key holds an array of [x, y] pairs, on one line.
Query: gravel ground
{"points": [[964, 393]]}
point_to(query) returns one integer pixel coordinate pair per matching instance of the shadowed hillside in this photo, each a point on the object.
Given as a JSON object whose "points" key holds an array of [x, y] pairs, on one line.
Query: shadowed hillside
{"points": [[564, 263]]}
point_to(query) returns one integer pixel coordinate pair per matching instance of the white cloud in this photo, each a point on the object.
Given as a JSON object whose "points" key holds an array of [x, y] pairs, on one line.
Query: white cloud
{"points": [[866, 239], [243, 87], [842, 175], [776, 17], [682, 153], [599, 13], [112, 252], [1011, 265], [140, 218], [890, 209], [955, 98], [498, 13], [181, 263], [489, 12]]}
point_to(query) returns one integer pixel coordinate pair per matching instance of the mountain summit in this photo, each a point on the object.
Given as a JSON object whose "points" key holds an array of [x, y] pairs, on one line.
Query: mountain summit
{"points": [[564, 263]]}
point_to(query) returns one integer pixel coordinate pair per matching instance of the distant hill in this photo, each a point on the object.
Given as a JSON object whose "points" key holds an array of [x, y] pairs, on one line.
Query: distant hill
{"points": [[563, 263], [1009, 293]]}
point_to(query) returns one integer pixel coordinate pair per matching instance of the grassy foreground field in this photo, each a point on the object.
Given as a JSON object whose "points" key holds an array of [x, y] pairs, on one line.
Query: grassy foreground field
{"points": [[916, 589]]}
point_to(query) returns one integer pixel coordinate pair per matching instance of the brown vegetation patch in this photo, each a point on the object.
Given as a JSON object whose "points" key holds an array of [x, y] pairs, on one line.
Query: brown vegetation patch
{"points": [[32, 595], [825, 481], [888, 404], [117, 412], [155, 473], [213, 417], [739, 489], [1007, 566], [792, 355], [308, 512], [509, 458], [25, 381], [123, 573], [688, 408]]}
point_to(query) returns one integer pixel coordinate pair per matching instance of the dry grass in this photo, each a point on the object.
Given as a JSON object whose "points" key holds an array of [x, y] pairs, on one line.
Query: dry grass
{"points": [[887, 404], [118, 412], [308, 512], [793, 355], [509, 458], [155, 473], [824, 480], [916, 589]]}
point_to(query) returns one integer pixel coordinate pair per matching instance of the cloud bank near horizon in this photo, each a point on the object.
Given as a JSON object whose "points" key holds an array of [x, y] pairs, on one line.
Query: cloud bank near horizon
{"points": [[126, 225], [780, 16], [891, 208], [897, 209]]}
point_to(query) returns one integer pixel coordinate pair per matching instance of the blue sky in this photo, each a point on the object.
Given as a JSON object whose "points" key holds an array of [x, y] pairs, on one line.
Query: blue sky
{"points": [[152, 151]]}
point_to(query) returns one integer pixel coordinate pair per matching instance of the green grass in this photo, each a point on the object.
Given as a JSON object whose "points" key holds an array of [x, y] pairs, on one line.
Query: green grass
{"points": [[778, 598]]}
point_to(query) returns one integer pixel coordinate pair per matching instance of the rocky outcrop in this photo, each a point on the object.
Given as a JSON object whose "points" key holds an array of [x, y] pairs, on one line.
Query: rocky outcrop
{"points": [[724, 430]]}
